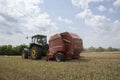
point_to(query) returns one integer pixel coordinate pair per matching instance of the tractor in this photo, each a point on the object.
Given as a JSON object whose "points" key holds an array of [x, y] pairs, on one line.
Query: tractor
{"points": [[37, 48]]}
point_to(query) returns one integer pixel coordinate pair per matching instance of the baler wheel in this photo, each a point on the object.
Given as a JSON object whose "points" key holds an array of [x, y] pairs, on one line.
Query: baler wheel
{"points": [[59, 57]]}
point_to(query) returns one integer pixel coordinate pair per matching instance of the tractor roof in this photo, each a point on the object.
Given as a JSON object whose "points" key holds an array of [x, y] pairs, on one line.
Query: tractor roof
{"points": [[38, 35]]}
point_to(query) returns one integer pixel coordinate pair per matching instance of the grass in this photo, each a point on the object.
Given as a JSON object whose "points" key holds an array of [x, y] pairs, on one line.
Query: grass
{"points": [[93, 66]]}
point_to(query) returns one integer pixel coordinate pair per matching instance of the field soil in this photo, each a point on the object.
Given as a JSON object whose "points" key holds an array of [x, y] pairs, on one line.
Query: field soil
{"points": [[91, 66]]}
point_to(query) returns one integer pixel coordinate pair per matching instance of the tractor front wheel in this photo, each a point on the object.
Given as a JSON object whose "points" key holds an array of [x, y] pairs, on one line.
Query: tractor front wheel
{"points": [[24, 55]]}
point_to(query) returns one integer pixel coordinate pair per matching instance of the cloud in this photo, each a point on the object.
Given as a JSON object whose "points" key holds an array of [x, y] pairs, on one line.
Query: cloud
{"points": [[18, 8], [111, 10], [101, 8], [72, 29], [24, 17], [106, 28], [8, 25], [21, 18], [117, 3], [84, 3], [99, 23], [67, 21]]}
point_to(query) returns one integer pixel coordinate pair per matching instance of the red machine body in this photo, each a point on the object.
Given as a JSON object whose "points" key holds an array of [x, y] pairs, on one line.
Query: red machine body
{"points": [[70, 44]]}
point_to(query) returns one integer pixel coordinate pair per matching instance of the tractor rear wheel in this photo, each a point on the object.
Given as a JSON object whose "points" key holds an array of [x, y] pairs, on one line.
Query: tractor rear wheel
{"points": [[59, 57], [24, 55], [36, 52]]}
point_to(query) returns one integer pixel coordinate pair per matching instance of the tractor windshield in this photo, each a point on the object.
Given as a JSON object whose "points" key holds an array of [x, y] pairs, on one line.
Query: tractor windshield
{"points": [[40, 40]]}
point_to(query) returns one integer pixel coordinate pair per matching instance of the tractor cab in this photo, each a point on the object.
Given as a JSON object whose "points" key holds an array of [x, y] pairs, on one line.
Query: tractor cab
{"points": [[39, 40]]}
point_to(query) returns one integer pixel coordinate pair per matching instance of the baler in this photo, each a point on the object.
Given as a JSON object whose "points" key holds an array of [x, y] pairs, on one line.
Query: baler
{"points": [[64, 46]]}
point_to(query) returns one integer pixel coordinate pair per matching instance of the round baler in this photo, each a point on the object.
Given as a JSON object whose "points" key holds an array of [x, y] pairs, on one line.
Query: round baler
{"points": [[65, 45]]}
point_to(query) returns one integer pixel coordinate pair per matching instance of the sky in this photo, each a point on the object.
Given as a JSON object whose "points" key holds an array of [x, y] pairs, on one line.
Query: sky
{"points": [[97, 22]]}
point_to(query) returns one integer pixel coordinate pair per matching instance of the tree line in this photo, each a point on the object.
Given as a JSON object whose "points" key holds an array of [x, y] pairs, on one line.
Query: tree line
{"points": [[17, 50], [10, 50], [100, 49]]}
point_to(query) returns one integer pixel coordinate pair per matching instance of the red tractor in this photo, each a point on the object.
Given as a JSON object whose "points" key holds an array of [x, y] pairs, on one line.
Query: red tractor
{"points": [[61, 47]]}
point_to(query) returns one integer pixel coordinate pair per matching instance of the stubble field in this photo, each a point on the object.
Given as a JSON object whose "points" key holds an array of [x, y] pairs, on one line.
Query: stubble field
{"points": [[93, 66]]}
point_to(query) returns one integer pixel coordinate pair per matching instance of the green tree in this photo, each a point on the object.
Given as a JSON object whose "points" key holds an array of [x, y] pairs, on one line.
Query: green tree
{"points": [[3, 50], [100, 49], [10, 50], [20, 48], [112, 49], [92, 49]]}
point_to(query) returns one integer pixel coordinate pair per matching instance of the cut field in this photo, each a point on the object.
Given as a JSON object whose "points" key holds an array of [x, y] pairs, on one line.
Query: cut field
{"points": [[92, 66]]}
